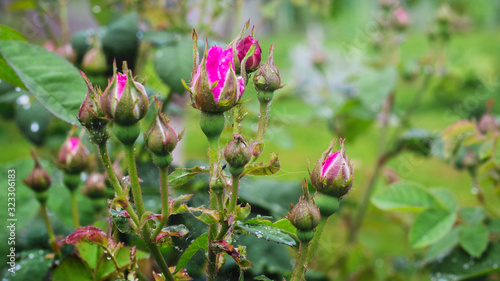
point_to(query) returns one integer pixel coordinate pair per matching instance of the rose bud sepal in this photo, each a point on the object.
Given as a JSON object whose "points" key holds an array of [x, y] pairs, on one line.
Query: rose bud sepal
{"points": [[305, 216], [268, 78], [237, 154], [91, 116], [38, 179], [73, 156], [161, 138], [327, 205], [333, 173]]}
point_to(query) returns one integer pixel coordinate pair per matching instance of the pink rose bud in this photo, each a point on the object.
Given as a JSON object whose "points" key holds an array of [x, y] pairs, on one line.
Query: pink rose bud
{"points": [[267, 78], [253, 62], [215, 87], [161, 139], [124, 101], [488, 124], [73, 157], [402, 19], [95, 187], [38, 180], [91, 116], [332, 175], [94, 61], [237, 153]]}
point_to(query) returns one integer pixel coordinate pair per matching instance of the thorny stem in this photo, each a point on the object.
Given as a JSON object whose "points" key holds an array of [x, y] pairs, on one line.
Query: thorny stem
{"points": [[313, 245], [213, 155], [165, 212], [103, 153], [134, 179], [74, 209], [235, 180], [300, 265], [50, 230], [261, 131], [115, 262]]}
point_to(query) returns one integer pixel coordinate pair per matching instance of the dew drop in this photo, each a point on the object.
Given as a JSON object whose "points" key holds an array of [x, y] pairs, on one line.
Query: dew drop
{"points": [[108, 258], [18, 89], [474, 190], [35, 127], [31, 256], [139, 34], [23, 100]]}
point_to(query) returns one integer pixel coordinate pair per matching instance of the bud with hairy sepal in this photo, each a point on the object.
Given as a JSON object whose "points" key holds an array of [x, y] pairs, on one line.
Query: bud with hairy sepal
{"points": [[241, 47], [215, 88], [333, 173], [305, 216], [73, 157], [38, 180], [95, 187], [237, 154], [268, 78], [161, 139], [91, 116], [124, 100]]}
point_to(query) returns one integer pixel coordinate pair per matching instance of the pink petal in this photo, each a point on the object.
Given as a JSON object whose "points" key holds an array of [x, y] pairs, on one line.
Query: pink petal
{"points": [[329, 163], [218, 62], [73, 144], [241, 89], [121, 82]]}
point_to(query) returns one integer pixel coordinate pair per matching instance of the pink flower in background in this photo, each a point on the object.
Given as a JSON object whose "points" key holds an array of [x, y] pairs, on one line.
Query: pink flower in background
{"points": [[402, 17]]}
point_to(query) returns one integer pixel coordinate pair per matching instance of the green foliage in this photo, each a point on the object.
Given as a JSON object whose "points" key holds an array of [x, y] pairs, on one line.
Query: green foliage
{"points": [[72, 266], [405, 196], [199, 243], [182, 175], [474, 239], [267, 231], [430, 226], [263, 169], [50, 78]]}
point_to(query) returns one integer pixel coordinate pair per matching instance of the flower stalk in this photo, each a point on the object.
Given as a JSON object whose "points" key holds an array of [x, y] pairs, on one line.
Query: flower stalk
{"points": [[50, 230]]}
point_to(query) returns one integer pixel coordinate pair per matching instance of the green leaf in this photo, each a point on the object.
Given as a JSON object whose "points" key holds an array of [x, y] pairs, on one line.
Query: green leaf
{"points": [[285, 226], [6, 72], [458, 265], [430, 226], [472, 215], [242, 212], [198, 244], [33, 265], [182, 175], [474, 239], [74, 268], [172, 230], [207, 216], [263, 169], [446, 198], [494, 226], [54, 81], [267, 232], [174, 61], [444, 245], [404, 196], [106, 267], [122, 221], [90, 253], [262, 278]]}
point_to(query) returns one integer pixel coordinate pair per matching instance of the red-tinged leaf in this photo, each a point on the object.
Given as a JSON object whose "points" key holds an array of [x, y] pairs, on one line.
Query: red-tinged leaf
{"points": [[172, 230], [261, 169], [207, 216], [176, 205], [88, 234], [147, 216], [181, 275]]}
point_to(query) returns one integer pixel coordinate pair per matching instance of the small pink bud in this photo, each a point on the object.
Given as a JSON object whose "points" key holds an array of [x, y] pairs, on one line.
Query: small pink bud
{"points": [[124, 101], [402, 18], [38, 180], [253, 62], [95, 187], [73, 156], [333, 173]]}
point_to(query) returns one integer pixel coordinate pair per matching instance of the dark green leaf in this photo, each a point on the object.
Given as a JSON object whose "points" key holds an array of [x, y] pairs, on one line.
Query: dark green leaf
{"points": [[263, 169], [430, 226], [181, 175], [200, 243], [74, 268], [106, 267], [459, 265], [121, 40], [267, 232], [494, 226], [32, 119], [54, 81], [474, 239], [33, 265], [262, 278], [404, 196], [122, 221], [472, 215]]}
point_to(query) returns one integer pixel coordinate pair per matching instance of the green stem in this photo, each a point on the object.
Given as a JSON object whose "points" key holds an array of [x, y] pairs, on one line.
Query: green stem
{"points": [[313, 245], [161, 262], [261, 131], [115, 262], [300, 265], [134, 180], [63, 14], [129, 154], [74, 209], [50, 230], [103, 153], [215, 203], [234, 193], [164, 193]]}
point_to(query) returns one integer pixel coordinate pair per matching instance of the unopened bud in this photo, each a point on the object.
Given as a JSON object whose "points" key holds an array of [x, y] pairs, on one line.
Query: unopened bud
{"points": [[73, 157], [305, 216], [237, 153], [161, 139], [267, 78], [95, 187], [38, 180]]}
